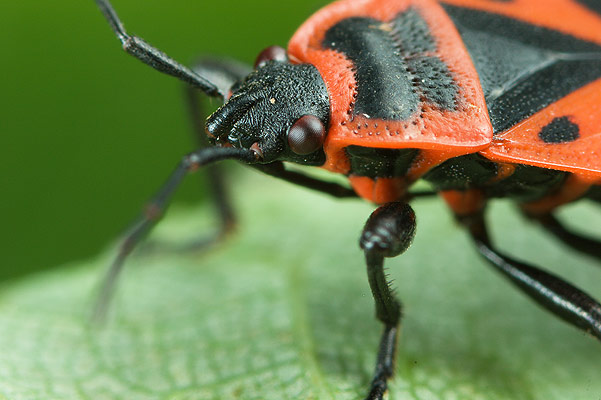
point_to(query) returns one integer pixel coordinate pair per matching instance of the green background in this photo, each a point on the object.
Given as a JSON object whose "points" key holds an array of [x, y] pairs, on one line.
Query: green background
{"points": [[88, 132]]}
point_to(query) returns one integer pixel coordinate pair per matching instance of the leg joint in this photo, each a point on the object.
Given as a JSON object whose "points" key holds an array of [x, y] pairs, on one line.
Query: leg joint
{"points": [[389, 231]]}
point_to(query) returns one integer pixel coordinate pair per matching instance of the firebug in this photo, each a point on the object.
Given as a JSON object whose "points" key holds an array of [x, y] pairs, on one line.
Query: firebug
{"points": [[482, 99]]}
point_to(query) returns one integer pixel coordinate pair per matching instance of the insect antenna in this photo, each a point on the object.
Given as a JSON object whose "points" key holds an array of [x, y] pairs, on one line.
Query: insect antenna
{"points": [[152, 56]]}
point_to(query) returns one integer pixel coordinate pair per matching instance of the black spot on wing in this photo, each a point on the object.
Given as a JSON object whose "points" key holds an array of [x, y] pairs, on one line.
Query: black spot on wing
{"points": [[539, 90], [560, 130], [393, 72], [523, 68]]}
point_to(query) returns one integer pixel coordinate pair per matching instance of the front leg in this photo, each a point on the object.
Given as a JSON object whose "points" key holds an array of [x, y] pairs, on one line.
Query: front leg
{"points": [[388, 232]]}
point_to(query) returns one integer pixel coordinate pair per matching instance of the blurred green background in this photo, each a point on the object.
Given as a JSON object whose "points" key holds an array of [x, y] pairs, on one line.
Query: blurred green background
{"points": [[88, 132]]}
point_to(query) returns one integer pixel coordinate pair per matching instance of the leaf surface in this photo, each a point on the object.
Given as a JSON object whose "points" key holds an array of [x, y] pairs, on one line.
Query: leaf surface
{"points": [[283, 311]]}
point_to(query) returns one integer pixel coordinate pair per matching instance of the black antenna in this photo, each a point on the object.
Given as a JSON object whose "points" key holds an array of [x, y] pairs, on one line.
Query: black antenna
{"points": [[152, 56]]}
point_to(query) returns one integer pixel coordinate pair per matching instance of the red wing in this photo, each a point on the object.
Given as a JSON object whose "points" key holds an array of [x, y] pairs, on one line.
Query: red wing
{"points": [[565, 136], [545, 97], [566, 16]]}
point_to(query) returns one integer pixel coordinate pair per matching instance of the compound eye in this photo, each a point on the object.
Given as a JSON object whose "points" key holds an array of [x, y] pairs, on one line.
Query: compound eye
{"points": [[272, 53], [306, 135]]}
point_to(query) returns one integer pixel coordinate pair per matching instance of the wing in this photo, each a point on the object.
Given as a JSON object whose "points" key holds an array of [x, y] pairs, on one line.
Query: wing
{"points": [[565, 135], [539, 63]]}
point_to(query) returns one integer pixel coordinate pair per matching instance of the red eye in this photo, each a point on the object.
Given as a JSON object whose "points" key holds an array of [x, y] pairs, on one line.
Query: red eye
{"points": [[306, 135], [272, 53]]}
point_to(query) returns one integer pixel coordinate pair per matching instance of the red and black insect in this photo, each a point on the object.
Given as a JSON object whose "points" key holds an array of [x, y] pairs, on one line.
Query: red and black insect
{"points": [[480, 98]]}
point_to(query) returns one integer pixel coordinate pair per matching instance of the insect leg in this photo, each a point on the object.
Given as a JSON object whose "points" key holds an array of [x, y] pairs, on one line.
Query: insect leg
{"points": [[218, 189], [215, 174], [387, 233], [278, 170], [556, 295], [578, 242], [155, 209]]}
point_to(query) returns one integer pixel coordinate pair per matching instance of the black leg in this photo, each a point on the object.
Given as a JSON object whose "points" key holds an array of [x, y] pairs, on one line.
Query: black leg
{"points": [[278, 170], [578, 242], [224, 73], [388, 232], [214, 173], [157, 206], [556, 295]]}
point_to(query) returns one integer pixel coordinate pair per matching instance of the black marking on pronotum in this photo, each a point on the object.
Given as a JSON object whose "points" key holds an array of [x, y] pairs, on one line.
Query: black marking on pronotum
{"points": [[411, 33], [384, 87], [393, 73], [560, 130], [432, 77], [522, 67]]}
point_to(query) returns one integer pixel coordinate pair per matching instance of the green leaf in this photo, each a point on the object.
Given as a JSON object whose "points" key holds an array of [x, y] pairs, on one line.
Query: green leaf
{"points": [[283, 311]]}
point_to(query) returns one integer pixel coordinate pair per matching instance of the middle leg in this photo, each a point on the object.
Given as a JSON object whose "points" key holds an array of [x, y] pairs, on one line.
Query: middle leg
{"points": [[577, 241], [553, 293]]}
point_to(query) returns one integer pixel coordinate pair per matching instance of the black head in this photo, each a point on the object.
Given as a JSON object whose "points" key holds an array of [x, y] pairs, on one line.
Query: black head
{"points": [[281, 110]]}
